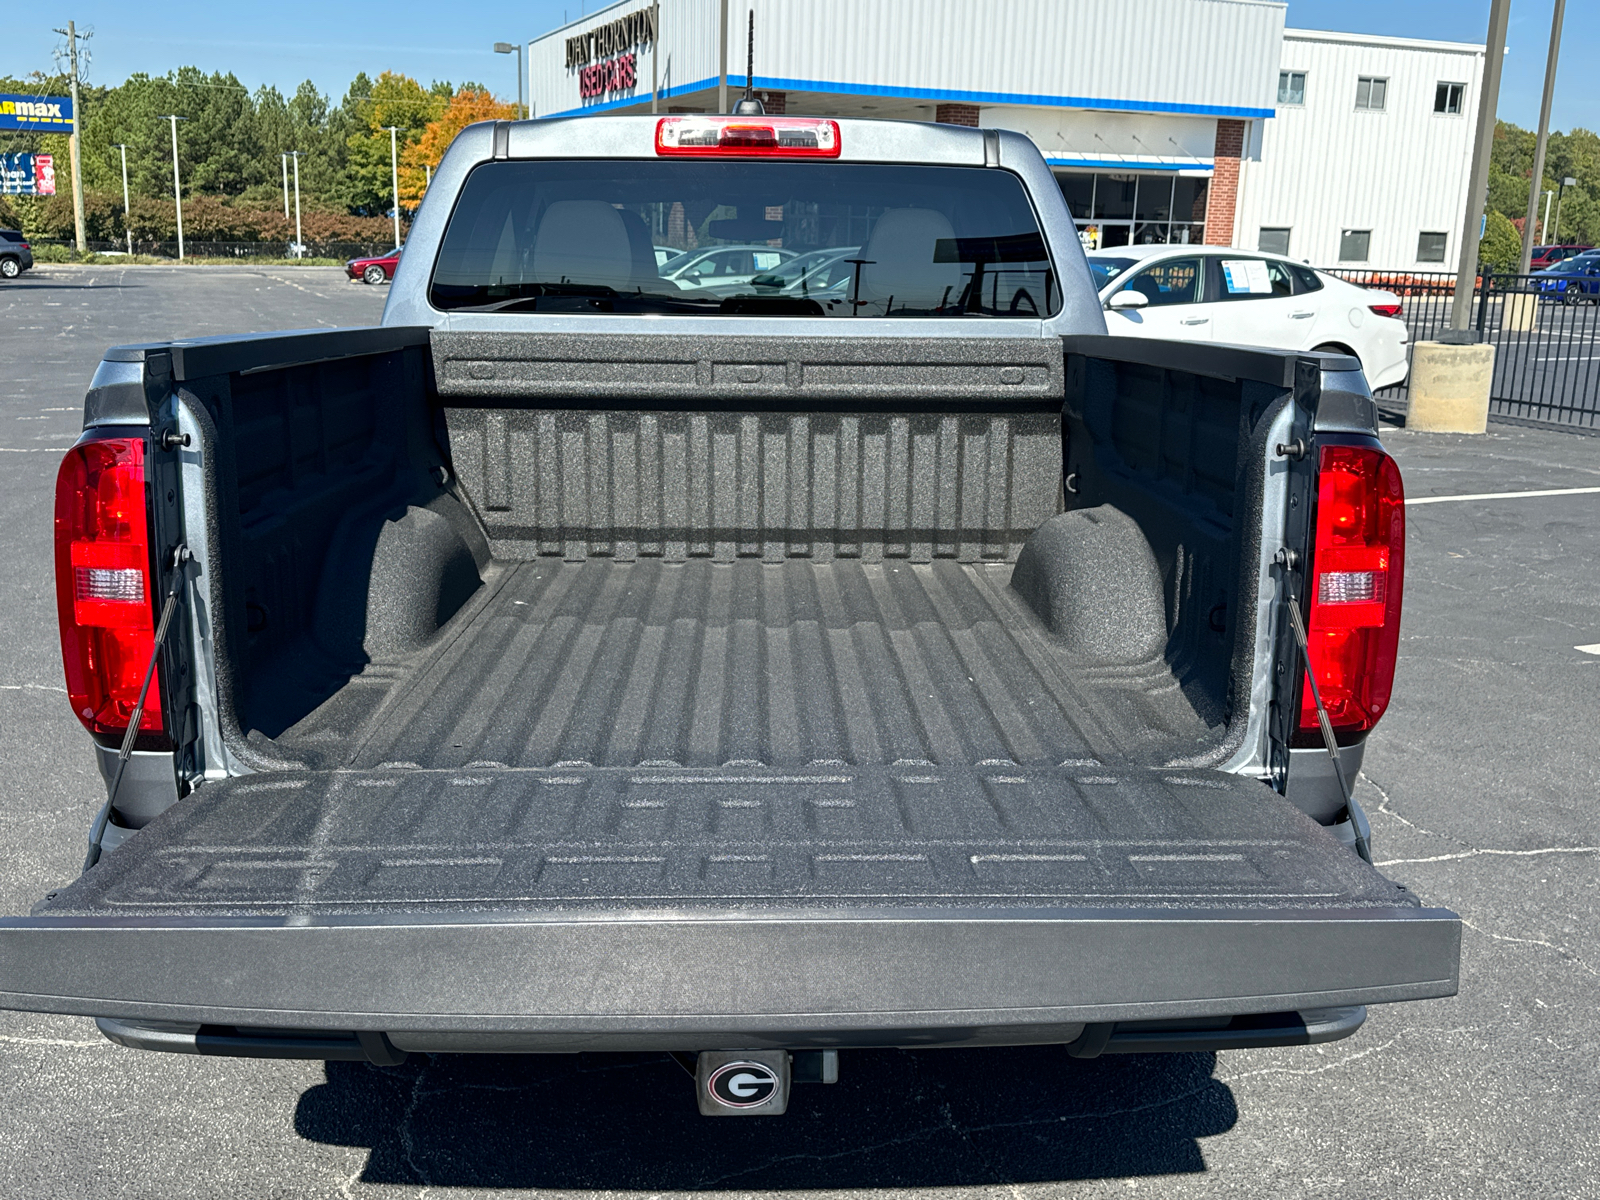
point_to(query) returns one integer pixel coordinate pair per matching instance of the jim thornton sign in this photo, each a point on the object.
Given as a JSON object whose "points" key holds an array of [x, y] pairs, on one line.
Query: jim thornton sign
{"points": [[44, 114], [604, 56]]}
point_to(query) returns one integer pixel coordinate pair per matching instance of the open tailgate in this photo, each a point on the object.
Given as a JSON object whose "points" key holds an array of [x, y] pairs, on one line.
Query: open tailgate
{"points": [[581, 899]]}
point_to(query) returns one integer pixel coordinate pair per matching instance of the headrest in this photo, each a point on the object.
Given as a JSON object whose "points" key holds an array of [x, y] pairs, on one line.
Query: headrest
{"points": [[583, 241], [901, 251]]}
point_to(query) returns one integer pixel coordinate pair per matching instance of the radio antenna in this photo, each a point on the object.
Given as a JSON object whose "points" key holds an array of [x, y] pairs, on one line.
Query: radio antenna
{"points": [[750, 106]]}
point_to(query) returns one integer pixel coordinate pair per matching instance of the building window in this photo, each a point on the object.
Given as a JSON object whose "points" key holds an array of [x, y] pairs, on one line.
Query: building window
{"points": [[1115, 209], [1291, 87], [1447, 98], [1372, 93], [1353, 244], [1430, 247], [1273, 241]]}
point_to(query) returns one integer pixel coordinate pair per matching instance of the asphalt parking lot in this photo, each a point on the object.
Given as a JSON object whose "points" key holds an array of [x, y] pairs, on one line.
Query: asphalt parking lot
{"points": [[1482, 784]]}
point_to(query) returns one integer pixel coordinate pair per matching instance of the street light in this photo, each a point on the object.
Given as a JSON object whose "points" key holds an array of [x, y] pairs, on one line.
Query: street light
{"points": [[177, 193], [299, 246], [394, 177], [1566, 182], [126, 228], [507, 48], [286, 185]]}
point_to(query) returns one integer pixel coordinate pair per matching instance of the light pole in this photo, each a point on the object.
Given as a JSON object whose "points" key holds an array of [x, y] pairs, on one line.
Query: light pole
{"points": [[1478, 175], [1544, 230], [1542, 140], [299, 246], [285, 185], [177, 192], [126, 228], [1566, 182], [394, 177], [507, 48]]}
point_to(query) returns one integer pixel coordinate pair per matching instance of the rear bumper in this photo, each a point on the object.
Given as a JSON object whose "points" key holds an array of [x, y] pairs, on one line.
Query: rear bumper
{"points": [[923, 977], [1311, 1028]]}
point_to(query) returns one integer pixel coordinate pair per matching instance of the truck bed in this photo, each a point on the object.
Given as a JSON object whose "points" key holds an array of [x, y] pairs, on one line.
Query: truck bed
{"points": [[755, 665]]}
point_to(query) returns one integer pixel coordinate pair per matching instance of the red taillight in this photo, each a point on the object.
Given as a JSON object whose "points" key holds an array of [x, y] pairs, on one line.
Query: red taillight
{"points": [[103, 590], [1386, 310], [1354, 589], [745, 137]]}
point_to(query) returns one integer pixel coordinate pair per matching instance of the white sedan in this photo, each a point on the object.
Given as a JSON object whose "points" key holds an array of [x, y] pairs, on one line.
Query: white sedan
{"points": [[1246, 298]]}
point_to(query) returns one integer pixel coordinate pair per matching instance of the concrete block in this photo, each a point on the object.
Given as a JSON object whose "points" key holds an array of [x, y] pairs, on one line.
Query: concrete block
{"points": [[1450, 388], [1521, 312]]}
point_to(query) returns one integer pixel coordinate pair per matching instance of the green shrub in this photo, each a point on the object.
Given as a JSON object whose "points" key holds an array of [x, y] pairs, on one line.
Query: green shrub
{"points": [[1500, 250]]}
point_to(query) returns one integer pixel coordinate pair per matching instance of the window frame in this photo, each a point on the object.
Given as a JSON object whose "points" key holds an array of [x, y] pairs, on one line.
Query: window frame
{"points": [[1366, 248], [1288, 238], [1289, 76], [1372, 81], [1444, 245], [1460, 90]]}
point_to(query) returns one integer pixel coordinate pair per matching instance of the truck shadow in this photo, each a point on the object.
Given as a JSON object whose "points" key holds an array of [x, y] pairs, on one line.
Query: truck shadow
{"points": [[930, 1118]]}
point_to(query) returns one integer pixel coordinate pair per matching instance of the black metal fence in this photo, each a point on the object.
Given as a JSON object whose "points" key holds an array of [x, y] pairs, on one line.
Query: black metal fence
{"points": [[1545, 330]]}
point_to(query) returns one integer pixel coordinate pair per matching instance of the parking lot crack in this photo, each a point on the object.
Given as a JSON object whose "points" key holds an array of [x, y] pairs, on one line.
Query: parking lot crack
{"points": [[1565, 952]]}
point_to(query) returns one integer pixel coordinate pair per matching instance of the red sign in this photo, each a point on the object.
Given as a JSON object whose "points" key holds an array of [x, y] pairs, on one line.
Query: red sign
{"points": [[44, 175], [613, 75]]}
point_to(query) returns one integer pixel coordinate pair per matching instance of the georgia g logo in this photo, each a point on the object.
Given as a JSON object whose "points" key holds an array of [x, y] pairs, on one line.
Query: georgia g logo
{"points": [[742, 1084]]}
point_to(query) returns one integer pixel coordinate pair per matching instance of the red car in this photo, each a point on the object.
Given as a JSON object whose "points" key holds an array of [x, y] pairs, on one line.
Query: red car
{"points": [[374, 270], [1545, 257]]}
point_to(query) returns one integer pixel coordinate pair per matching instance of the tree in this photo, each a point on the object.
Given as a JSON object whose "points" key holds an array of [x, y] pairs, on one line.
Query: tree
{"points": [[469, 105], [396, 100], [1500, 250]]}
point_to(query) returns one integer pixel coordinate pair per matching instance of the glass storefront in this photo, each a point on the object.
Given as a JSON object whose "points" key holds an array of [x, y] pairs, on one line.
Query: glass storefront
{"points": [[1115, 209]]}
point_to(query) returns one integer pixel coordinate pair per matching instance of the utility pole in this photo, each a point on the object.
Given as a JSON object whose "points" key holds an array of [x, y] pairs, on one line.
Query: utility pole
{"points": [[722, 77], [177, 192], [655, 57], [76, 143], [394, 169], [1536, 183], [1478, 179], [286, 185], [299, 246], [126, 228]]}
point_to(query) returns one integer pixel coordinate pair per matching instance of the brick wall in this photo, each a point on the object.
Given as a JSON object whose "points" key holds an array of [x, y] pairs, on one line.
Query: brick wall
{"points": [[957, 114], [1222, 197], [776, 103]]}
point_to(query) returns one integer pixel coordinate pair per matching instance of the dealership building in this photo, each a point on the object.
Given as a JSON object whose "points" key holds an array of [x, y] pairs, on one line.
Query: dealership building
{"points": [[1163, 120]]}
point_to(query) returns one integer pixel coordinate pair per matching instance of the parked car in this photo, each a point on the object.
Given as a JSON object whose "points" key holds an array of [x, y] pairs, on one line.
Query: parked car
{"points": [[1247, 298], [561, 667], [16, 256], [375, 270], [1574, 281], [1545, 257], [722, 266]]}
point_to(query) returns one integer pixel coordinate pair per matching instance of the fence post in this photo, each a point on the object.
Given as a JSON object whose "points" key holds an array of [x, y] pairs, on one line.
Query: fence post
{"points": [[1483, 302]]}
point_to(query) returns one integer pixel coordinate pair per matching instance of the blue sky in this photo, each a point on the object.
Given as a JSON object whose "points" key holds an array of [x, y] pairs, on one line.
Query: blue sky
{"points": [[329, 42]]}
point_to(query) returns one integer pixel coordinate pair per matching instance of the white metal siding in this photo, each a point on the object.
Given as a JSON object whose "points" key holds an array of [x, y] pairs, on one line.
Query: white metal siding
{"points": [[1168, 55], [1327, 167]]}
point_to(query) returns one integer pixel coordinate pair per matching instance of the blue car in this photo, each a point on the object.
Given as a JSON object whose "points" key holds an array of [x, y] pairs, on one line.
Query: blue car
{"points": [[1574, 281]]}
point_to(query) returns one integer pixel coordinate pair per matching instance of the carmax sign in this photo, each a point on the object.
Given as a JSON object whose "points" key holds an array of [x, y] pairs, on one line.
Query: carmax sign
{"points": [[50, 114]]}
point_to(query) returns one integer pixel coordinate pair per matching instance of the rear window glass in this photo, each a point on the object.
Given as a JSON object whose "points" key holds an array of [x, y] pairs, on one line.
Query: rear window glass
{"points": [[10, 235], [744, 238]]}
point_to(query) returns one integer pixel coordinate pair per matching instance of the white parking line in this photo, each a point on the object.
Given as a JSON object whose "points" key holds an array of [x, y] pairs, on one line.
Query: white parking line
{"points": [[1583, 491], [1592, 648]]}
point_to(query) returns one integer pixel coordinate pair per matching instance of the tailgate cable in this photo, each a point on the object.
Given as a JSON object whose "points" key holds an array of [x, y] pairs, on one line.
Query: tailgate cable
{"points": [[1290, 561], [180, 556]]}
